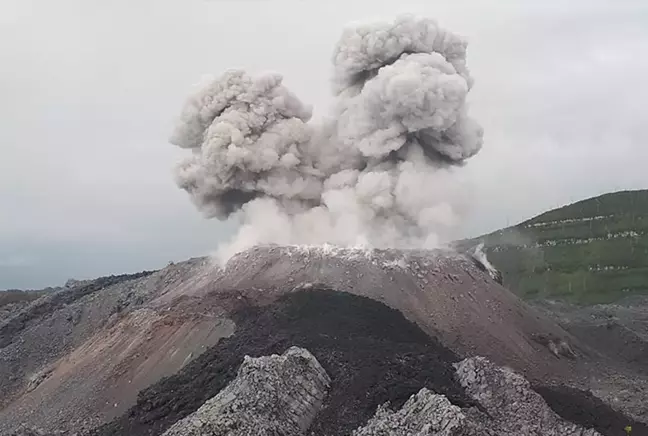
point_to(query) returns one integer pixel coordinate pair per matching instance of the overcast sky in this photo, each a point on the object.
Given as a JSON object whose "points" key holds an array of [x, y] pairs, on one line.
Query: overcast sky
{"points": [[89, 91]]}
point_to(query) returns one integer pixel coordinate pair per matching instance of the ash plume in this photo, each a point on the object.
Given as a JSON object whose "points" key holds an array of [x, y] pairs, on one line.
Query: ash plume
{"points": [[377, 173]]}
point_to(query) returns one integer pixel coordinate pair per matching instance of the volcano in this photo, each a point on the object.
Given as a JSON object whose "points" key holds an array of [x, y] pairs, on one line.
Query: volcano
{"points": [[135, 354]]}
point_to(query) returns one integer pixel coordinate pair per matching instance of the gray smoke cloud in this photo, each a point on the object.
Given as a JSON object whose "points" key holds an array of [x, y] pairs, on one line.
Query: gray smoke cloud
{"points": [[377, 173]]}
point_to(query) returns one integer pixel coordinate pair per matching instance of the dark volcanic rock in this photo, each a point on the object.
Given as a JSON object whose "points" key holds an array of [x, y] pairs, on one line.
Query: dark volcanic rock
{"points": [[446, 293], [371, 352], [81, 362], [510, 402], [615, 341], [618, 333], [585, 409], [32, 431], [271, 395]]}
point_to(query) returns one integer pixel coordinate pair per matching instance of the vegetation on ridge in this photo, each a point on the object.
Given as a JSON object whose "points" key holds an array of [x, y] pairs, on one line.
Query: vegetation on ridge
{"points": [[592, 251]]}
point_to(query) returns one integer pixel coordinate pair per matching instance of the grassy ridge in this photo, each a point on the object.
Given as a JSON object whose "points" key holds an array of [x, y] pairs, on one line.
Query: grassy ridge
{"points": [[592, 251]]}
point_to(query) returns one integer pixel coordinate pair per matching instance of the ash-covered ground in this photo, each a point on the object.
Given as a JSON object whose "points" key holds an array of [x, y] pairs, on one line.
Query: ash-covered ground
{"points": [[371, 352], [114, 340]]}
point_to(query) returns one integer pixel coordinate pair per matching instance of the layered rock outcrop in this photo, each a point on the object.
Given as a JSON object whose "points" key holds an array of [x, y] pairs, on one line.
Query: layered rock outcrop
{"points": [[272, 395]]}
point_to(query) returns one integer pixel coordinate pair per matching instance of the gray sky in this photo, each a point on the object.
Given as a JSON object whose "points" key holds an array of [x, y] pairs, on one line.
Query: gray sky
{"points": [[89, 91]]}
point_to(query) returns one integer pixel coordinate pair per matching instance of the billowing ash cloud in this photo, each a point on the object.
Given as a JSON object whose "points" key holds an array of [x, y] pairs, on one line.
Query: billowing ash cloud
{"points": [[376, 174]]}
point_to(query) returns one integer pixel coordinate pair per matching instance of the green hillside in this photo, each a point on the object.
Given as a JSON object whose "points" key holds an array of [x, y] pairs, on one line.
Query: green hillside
{"points": [[592, 251]]}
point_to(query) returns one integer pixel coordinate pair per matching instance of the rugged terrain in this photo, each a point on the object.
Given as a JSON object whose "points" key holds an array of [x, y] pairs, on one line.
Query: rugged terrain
{"points": [[592, 251], [138, 353], [13, 299], [372, 354]]}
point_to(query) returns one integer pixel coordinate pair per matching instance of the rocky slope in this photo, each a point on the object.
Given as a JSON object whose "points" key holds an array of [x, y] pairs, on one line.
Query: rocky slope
{"points": [[270, 395], [281, 395], [95, 354], [448, 295], [618, 331], [79, 356], [371, 353], [507, 405]]}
